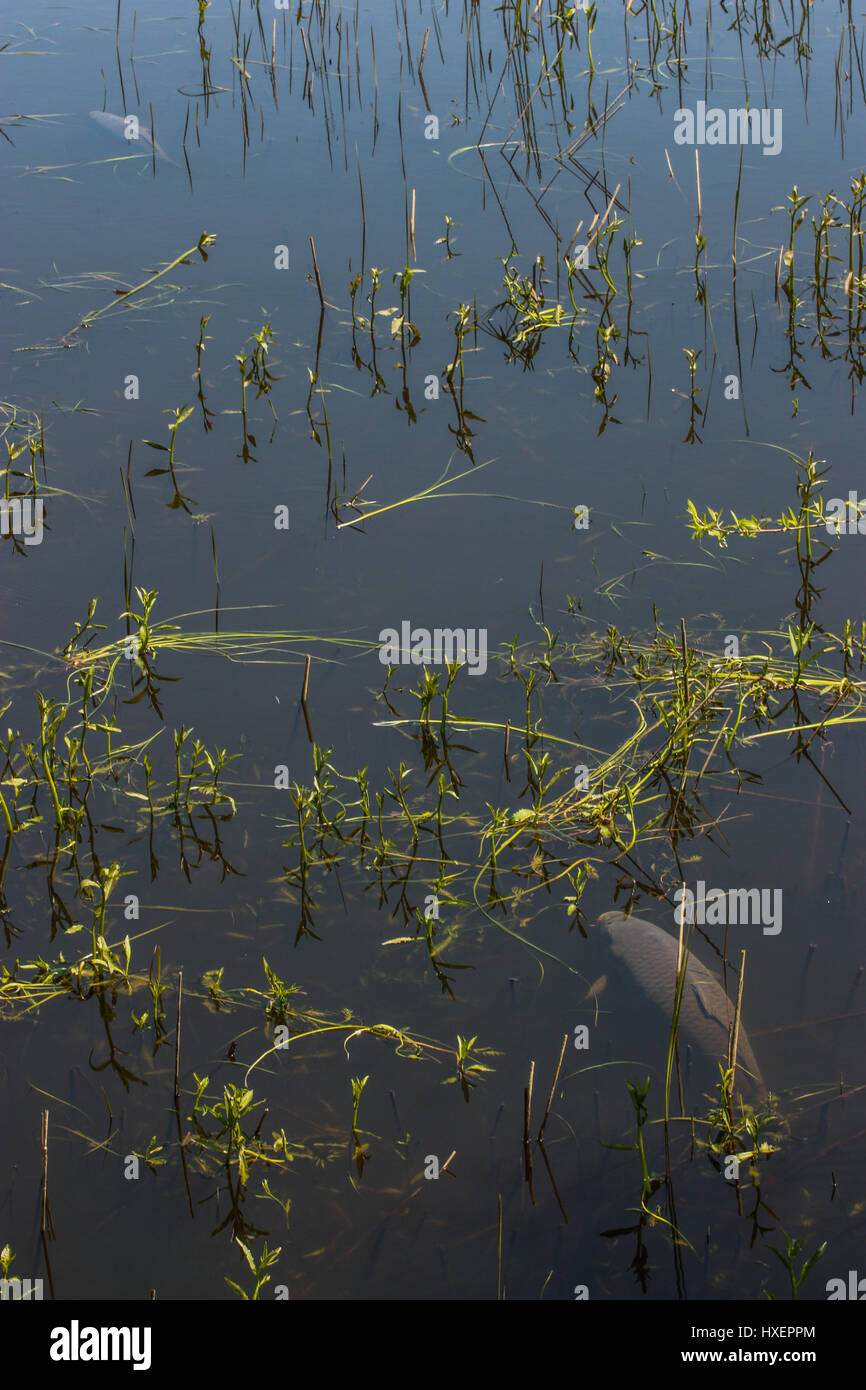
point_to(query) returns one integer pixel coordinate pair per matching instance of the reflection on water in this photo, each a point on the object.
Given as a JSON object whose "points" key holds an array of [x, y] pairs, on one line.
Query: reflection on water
{"points": [[440, 545]]}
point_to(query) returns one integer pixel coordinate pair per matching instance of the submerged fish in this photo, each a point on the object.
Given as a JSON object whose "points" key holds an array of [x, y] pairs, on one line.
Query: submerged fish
{"points": [[117, 126], [706, 1012]]}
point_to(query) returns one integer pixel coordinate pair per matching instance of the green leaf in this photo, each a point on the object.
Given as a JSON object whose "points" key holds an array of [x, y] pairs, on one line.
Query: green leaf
{"points": [[812, 1261], [247, 1256]]}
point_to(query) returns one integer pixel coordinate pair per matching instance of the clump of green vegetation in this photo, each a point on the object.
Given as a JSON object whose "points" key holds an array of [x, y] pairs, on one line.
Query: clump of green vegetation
{"points": [[788, 1257]]}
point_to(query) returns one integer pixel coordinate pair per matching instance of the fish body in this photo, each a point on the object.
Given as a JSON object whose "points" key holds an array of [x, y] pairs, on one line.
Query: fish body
{"points": [[706, 1012], [117, 126]]}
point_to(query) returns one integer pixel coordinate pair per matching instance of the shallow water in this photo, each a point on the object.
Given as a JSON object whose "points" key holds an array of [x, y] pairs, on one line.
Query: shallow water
{"points": [[267, 161]]}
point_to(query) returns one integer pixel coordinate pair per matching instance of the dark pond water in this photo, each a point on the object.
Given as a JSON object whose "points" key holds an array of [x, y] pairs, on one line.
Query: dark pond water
{"points": [[470, 413]]}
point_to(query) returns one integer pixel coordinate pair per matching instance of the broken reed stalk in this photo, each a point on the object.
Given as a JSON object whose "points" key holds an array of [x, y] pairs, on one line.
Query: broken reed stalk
{"points": [[304, 698], [499, 1252], [527, 1121], [43, 1218], [735, 1035], [505, 749], [553, 1087], [573, 239], [597, 222], [318, 276], [46, 1220], [363, 213], [177, 1040], [412, 228], [673, 1041], [737, 214], [527, 1104]]}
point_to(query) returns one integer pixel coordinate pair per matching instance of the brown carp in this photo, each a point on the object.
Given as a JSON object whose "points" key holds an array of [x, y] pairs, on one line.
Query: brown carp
{"points": [[706, 1012]]}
